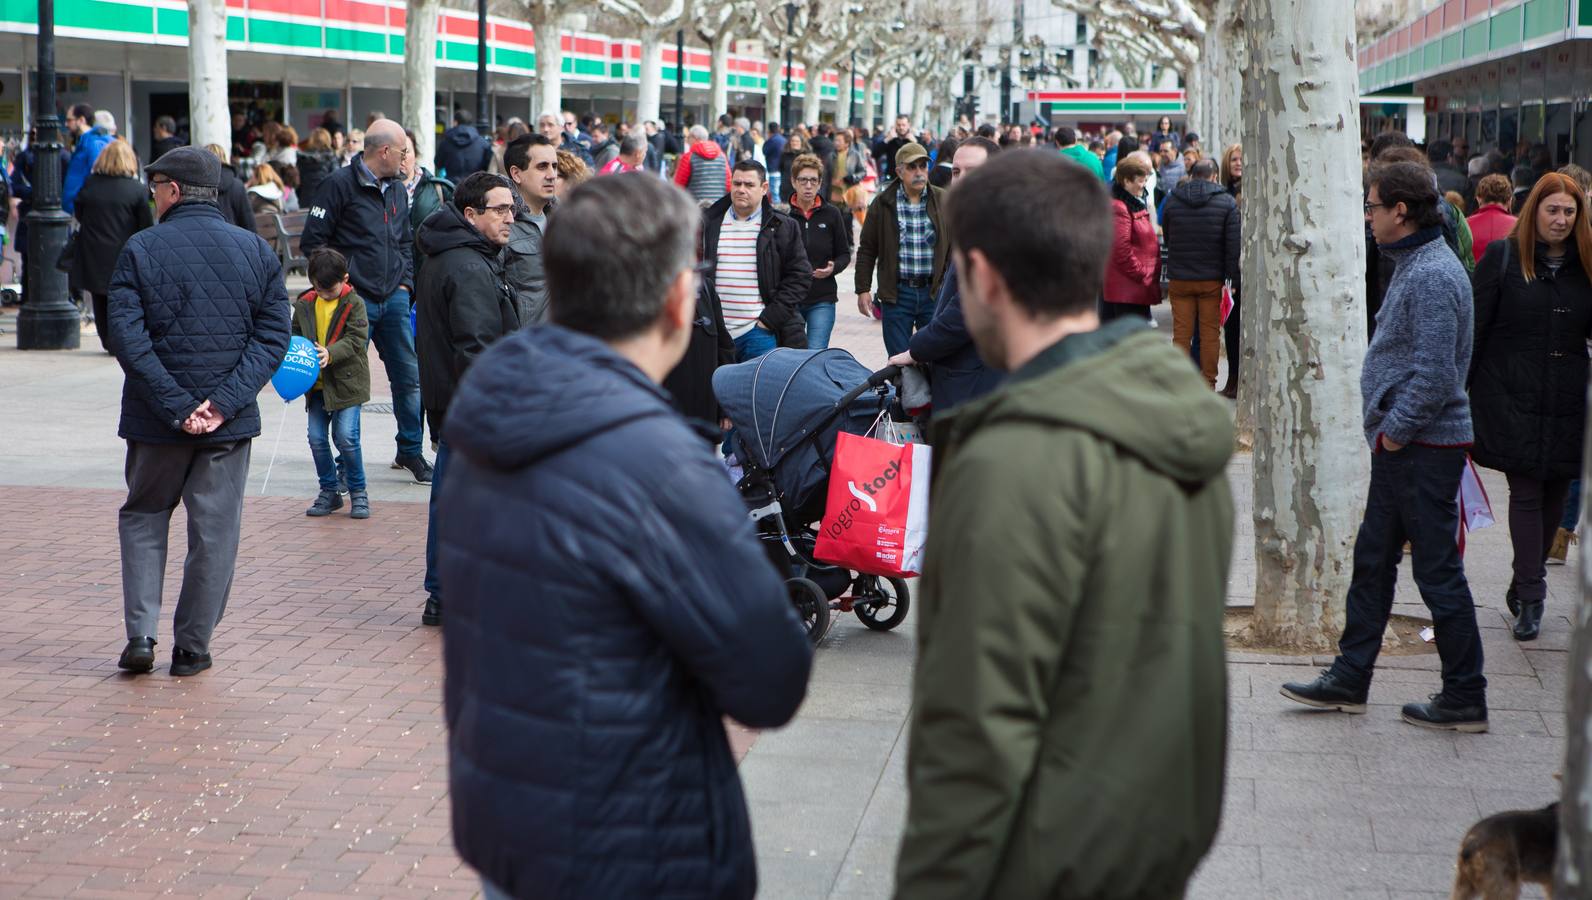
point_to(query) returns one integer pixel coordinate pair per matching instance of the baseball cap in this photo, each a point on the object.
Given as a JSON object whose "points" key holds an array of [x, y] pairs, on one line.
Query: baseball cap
{"points": [[910, 153]]}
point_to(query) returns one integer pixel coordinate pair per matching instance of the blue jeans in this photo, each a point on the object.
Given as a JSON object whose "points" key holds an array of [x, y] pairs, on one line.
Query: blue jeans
{"points": [[820, 323], [1572, 507], [912, 309], [342, 429], [395, 343], [1412, 499], [754, 343], [432, 583]]}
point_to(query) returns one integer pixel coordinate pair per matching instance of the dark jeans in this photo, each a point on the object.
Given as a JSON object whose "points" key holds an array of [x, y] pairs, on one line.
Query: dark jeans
{"points": [[439, 467], [395, 343], [1109, 310], [1232, 330], [1535, 509], [820, 318], [1412, 499], [340, 428], [1572, 507], [912, 309]]}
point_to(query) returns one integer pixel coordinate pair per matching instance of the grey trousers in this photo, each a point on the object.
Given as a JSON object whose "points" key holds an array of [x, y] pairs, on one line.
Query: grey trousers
{"points": [[209, 480]]}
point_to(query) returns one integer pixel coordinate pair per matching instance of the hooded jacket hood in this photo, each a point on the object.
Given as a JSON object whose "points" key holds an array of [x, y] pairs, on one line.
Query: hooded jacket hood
{"points": [[542, 391], [1126, 385], [706, 149], [268, 190], [447, 229], [463, 136], [1198, 192]]}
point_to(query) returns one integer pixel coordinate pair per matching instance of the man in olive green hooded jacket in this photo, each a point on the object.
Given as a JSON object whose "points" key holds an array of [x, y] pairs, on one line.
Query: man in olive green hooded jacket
{"points": [[1069, 718]]}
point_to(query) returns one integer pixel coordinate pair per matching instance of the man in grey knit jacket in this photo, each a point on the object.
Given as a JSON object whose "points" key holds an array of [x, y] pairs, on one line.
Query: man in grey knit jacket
{"points": [[1417, 421]]}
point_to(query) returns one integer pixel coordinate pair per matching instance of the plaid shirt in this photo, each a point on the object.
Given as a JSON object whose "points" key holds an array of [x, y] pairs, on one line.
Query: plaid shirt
{"points": [[917, 236]]}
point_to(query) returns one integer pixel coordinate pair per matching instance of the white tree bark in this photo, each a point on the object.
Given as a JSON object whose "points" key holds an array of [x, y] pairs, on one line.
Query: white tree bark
{"points": [[813, 92], [776, 87], [887, 87], [868, 105], [420, 77], [1303, 280], [549, 61], [1574, 863], [209, 118], [920, 103], [651, 89], [721, 76]]}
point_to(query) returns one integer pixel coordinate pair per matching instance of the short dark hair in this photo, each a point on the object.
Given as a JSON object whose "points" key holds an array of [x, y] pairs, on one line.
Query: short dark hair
{"points": [[1097, 145], [990, 147], [1389, 139], [600, 126], [751, 165], [1042, 221], [608, 273], [462, 116], [773, 128], [986, 130], [518, 153], [167, 124], [1127, 145], [327, 268], [1204, 170], [81, 111], [1439, 150], [471, 192], [1411, 184], [1065, 136]]}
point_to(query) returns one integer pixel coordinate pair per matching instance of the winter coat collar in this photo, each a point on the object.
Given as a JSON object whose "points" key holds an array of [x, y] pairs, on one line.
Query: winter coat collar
{"points": [[1419, 238], [193, 209], [1134, 204], [1079, 346]]}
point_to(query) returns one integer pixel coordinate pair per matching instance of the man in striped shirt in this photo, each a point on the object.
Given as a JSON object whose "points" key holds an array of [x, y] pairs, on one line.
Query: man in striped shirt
{"points": [[761, 273]]}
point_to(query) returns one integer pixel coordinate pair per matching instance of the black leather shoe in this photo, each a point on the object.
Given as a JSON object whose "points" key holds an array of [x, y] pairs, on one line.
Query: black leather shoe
{"points": [[1530, 621], [419, 469], [138, 656], [432, 615], [1512, 600], [1328, 692], [1443, 715], [185, 663]]}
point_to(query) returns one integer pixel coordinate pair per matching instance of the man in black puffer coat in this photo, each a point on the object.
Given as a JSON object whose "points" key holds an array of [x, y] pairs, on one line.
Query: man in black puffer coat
{"points": [[199, 323], [463, 303], [1201, 229], [608, 601]]}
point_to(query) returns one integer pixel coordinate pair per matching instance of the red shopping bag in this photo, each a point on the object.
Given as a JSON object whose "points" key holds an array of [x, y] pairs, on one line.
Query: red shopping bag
{"points": [[876, 518], [1227, 300]]}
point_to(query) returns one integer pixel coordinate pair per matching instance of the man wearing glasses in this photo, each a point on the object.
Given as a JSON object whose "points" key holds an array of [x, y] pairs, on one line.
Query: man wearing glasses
{"points": [[902, 237], [463, 303], [362, 212]]}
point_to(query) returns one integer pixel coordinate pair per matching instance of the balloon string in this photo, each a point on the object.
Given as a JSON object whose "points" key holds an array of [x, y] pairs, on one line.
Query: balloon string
{"points": [[281, 427]]}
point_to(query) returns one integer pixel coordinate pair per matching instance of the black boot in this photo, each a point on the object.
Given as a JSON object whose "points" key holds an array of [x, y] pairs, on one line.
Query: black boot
{"points": [[432, 615], [1512, 600], [326, 502], [1443, 714], [1328, 692], [360, 505], [1530, 621]]}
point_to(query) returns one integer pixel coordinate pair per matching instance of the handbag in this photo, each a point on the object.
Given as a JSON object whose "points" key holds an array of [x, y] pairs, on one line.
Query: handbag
{"points": [[68, 254]]}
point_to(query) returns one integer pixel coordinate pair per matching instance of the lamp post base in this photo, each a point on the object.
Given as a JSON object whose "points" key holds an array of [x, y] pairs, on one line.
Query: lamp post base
{"points": [[53, 328]]}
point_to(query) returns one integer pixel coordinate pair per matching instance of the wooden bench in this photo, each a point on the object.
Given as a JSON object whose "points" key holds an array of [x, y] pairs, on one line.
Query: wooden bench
{"points": [[283, 231]]}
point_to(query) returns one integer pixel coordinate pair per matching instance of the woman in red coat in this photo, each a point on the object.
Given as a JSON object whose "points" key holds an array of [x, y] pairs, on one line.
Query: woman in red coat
{"points": [[1492, 221], [1133, 276]]}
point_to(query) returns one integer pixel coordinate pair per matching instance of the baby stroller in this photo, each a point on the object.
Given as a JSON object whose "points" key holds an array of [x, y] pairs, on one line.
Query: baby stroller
{"points": [[788, 406]]}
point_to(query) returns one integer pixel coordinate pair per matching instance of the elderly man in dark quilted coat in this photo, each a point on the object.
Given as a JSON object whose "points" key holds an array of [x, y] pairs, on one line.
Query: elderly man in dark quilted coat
{"points": [[199, 321]]}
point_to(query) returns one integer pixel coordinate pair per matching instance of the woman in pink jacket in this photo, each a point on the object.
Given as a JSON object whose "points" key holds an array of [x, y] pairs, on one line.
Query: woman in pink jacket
{"points": [[1133, 276]]}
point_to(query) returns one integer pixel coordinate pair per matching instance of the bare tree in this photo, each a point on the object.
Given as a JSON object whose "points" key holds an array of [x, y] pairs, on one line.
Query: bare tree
{"points": [[1573, 873], [209, 115], [716, 22], [420, 76], [1304, 263], [652, 21]]}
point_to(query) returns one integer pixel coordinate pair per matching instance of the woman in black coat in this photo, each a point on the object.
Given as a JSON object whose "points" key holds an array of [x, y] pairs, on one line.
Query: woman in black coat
{"points": [[112, 206], [1528, 374]]}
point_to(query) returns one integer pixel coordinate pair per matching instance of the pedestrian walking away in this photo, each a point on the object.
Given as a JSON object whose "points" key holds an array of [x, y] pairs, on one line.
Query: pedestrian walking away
{"points": [[759, 268], [199, 323], [463, 304], [826, 231], [331, 315], [704, 169], [1417, 421], [1200, 226], [588, 725], [362, 212], [1528, 377], [956, 372], [902, 237], [1110, 705], [112, 207], [532, 164], [461, 150]]}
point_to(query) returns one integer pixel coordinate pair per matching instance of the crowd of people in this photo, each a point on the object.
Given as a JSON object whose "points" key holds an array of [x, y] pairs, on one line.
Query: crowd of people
{"points": [[583, 538]]}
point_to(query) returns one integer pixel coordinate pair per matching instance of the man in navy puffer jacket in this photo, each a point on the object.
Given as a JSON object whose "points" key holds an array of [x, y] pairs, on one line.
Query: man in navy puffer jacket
{"points": [[608, 601]]}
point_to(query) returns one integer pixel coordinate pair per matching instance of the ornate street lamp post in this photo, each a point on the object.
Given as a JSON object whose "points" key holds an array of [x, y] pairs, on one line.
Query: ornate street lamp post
{"points": [[49, 320]]}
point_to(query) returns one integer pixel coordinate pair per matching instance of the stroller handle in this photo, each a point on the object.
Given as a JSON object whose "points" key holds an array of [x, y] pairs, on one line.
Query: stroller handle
{"points": [[888, 373]]}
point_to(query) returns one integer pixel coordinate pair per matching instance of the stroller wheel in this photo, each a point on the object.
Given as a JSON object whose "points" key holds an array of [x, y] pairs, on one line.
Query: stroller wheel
{"points": [[811, 605], [881, 603]]}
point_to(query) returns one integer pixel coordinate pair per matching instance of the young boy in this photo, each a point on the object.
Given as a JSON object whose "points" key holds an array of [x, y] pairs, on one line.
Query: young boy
{"points": [[333, 316]]}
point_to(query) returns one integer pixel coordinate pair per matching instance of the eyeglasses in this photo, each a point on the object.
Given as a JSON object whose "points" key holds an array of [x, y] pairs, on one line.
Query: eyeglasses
{"points": [[808, 179], [506, 209], [157, 182], [1370, 206]]}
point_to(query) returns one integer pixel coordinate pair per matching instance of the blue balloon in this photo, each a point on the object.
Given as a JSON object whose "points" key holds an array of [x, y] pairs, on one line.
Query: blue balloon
{"points": [[298, 370]]}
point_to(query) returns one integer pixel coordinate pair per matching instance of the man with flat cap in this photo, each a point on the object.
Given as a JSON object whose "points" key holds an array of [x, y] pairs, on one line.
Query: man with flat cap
{"points": [[903, 239], [199, 322]]}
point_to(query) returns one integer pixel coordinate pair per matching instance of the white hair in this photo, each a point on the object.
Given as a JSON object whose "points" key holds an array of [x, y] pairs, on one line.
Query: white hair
{"points": [[697, 133], [104, 119], [550, 115]]}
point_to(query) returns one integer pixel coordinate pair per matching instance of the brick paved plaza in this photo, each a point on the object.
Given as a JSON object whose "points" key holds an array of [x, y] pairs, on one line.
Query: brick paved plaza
{"points": [[311, 762]]}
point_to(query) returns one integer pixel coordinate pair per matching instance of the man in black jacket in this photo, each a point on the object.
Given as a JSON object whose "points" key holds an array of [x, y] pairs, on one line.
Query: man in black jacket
{"points": [[763, 315], [608, 601], [199, 323], [462, 304], [957, 373], [462, 151], [1201, 228], [362, 212]]}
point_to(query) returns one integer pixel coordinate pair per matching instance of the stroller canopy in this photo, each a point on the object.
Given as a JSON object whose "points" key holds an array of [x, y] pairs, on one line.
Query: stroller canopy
{"points": [[783, 405]]}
